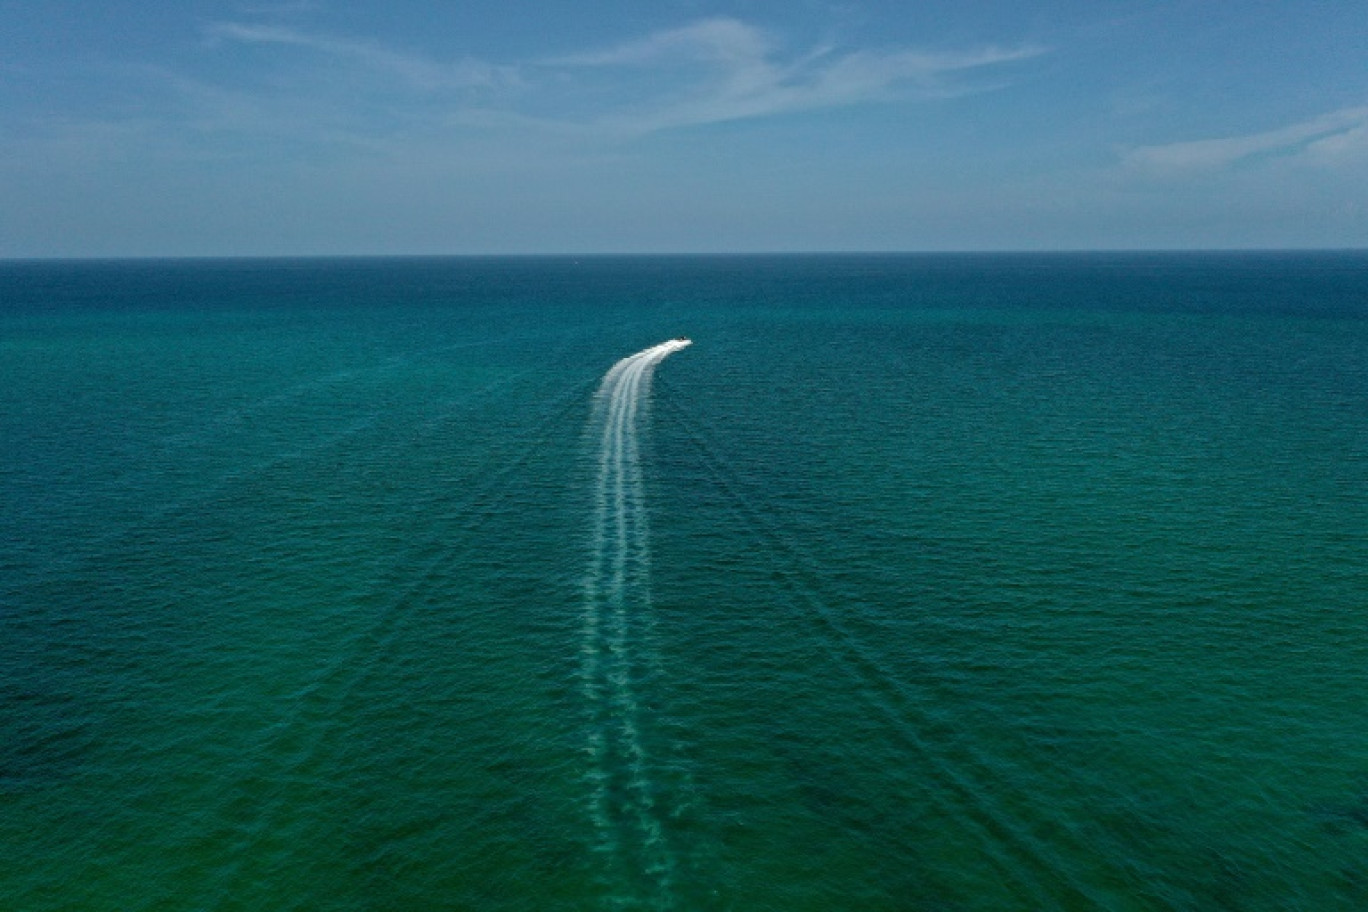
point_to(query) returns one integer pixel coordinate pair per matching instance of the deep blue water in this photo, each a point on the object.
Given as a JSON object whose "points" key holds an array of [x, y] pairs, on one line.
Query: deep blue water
{"points": [[979, 582]]}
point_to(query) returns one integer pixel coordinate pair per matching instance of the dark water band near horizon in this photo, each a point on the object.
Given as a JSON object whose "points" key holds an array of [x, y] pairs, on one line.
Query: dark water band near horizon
{"points": [[978, 582]]}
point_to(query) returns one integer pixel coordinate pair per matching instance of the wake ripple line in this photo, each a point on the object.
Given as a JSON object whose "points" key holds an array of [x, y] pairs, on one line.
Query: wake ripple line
{"points": [[340, 680], [1002, 837]]}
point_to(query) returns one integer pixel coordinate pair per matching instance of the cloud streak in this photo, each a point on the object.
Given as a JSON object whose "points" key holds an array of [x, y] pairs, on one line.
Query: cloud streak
{"points": [[708, 71], [1327, 136], [738, 73], [418, 71], [724, 40]]}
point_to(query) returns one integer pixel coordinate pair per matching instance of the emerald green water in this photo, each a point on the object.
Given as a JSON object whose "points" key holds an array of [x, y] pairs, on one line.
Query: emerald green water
{"points": [[969, 583]]}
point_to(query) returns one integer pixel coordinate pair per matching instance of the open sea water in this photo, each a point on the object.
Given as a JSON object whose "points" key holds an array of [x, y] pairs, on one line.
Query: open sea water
{"points": [[989, 582]]}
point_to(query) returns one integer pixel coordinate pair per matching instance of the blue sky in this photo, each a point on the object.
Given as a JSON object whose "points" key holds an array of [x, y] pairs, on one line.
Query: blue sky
{"points": [[411, 126]]}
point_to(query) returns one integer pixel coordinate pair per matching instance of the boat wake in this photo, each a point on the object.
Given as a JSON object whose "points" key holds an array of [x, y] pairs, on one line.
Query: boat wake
{"points": [[617, 653]]}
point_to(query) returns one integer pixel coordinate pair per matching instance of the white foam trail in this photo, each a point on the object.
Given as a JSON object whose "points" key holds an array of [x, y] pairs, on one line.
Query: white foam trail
{"points": [[617, 590]]}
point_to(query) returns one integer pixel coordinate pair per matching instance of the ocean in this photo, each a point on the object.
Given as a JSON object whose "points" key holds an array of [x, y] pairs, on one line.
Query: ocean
{"points": [[923, 582]]}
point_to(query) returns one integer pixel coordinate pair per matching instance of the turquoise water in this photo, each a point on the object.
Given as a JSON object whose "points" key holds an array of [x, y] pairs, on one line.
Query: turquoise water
{"points": [[942, 583]]}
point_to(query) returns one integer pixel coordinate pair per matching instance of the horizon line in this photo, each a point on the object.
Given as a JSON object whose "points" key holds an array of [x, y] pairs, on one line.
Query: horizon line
{"points": [[666, 254]]}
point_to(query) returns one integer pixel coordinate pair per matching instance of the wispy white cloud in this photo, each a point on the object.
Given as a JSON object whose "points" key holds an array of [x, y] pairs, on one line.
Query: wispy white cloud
{"points": [[744, 74], [708, 71], [1325, 137], [1337, 148], [723, 40], [419, 71]]}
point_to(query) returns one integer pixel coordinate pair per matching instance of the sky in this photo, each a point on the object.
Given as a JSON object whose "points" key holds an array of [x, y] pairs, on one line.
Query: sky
{"points": [[322, 127]]}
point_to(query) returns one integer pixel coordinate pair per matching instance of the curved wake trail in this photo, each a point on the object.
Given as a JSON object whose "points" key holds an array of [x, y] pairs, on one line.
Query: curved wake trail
{"points": [[617, 599]]}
